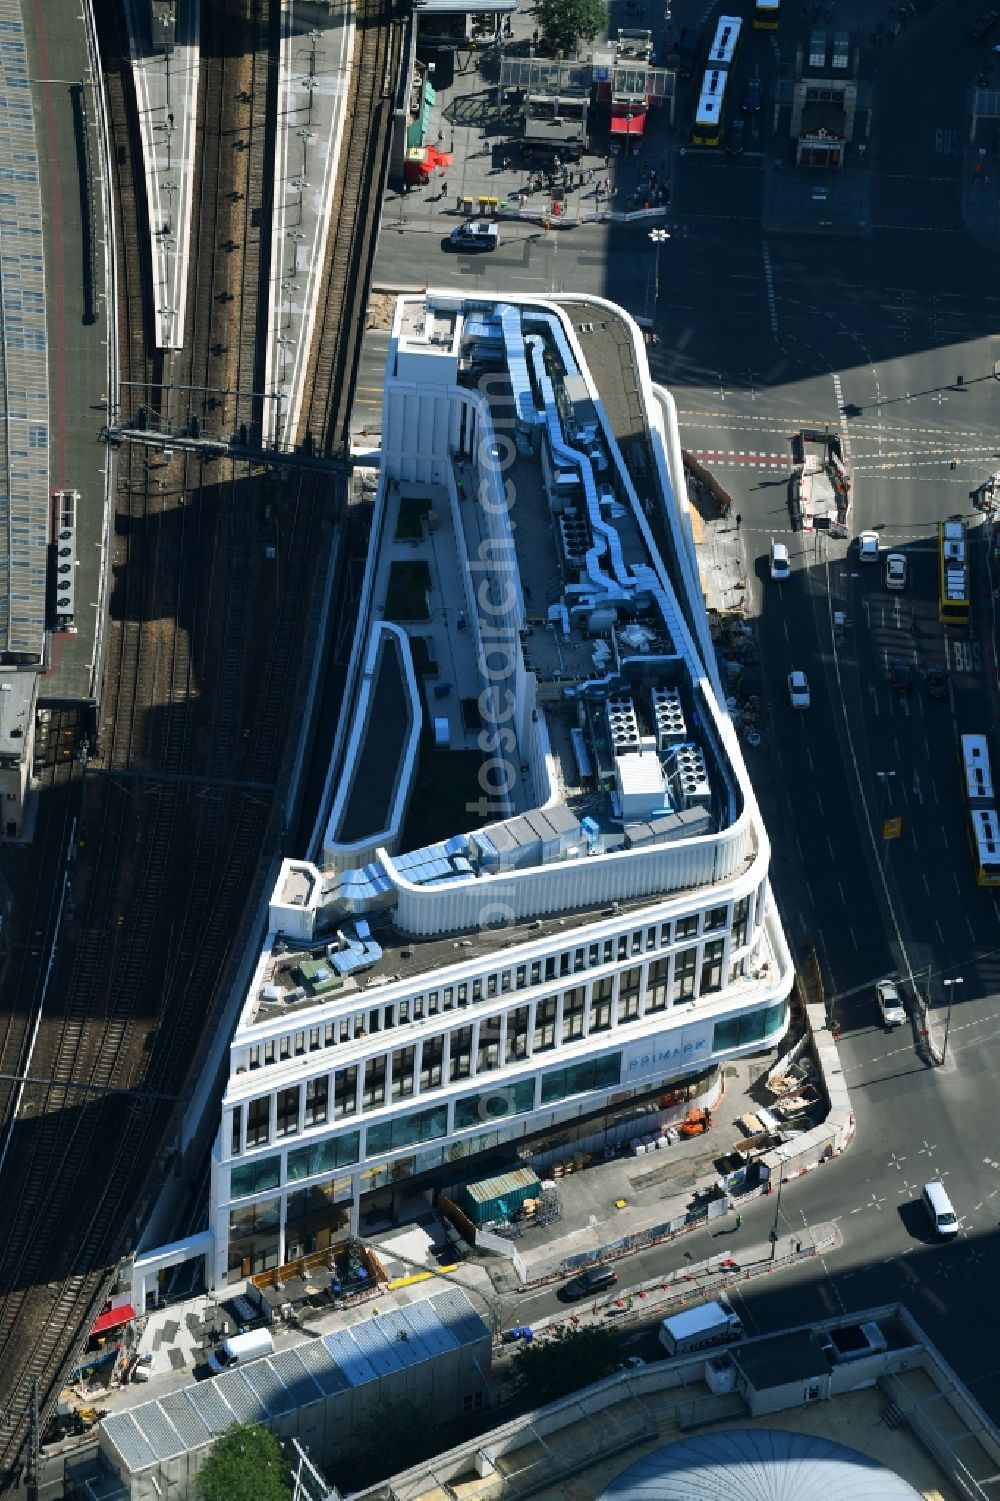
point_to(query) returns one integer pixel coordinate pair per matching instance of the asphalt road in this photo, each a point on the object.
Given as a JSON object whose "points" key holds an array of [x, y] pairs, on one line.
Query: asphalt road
{"points": [[858, 306]]}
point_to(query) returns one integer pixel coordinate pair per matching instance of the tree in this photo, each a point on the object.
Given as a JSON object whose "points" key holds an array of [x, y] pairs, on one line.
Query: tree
{"points": [[394, 1435], [246, 1464], [572, 1359], [567, 23]]}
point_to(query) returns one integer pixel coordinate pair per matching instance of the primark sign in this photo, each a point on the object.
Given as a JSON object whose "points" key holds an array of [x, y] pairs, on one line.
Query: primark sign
{"points": [[680, 1048]]}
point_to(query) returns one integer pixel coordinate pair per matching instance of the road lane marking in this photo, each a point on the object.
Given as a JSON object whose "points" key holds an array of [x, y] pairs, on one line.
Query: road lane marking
{"points": [[933, 1298]]}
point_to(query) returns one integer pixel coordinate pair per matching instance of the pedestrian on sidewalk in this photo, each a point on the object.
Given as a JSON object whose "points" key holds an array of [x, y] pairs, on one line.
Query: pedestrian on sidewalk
{"points": [[739, 523]]}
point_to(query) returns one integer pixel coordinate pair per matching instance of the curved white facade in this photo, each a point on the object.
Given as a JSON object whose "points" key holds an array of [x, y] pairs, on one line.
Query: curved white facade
{"points": [[601, 927]]}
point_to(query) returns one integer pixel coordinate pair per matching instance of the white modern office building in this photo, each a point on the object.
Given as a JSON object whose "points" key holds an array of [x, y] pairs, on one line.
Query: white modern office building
{"points": [[581, 924]]}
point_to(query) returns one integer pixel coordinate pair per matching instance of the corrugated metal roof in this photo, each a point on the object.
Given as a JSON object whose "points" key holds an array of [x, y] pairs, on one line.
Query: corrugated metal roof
{"points": [[347, 1355], [208, 1402], [459, 1317], [268, 1387], [242, 1398], [301, 1385], [136, 1451], [404, 1339], [376, 1348], [323, 1368], [163, 1437], [186, 1419], [495, 1188], [428, 1328]]}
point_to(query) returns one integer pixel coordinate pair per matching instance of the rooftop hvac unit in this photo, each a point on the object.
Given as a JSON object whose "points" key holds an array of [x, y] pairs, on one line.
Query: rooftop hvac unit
{"points": [[689, 777], [668, 717]]}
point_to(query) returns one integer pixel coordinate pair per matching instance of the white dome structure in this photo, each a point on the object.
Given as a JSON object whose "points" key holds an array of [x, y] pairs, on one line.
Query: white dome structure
{"points": [[763, 1464]]}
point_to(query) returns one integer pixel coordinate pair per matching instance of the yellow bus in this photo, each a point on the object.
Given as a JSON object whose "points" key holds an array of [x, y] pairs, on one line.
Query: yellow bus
{"points": [[766, 14], [711, 102], [953, 566]]}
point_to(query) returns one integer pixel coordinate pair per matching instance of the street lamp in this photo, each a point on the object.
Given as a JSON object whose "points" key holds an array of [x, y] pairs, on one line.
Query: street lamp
{"points": [[777, 1209], [296, 236], [949, 986], [658, 237], [306, 137]]}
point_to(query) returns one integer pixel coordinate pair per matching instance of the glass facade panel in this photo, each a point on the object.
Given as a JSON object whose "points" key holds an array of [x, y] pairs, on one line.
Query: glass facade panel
{"points": [[254, 1177], [317, 1095], [493, 1104], [324, 1156], [656, 985], [600, 1005], [407, 1130], [755, 1026], [685, 971], [573, 1013], [595, 1073], [259, 1122], [345, 1092], [517, 1033], [711, 968], [544, 1036]]}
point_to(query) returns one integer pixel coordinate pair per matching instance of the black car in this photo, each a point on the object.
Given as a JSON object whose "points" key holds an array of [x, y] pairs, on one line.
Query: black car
{"points": [[596, 1279], [751, 96], [937, 683], [734, 137], [901, 677]]}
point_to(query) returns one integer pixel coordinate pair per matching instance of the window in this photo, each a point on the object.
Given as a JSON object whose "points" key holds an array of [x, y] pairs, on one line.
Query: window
{"points": [[579, 961], [494, 1104], [711, 968], [390, 1017], [324, 1156], [741, 922], [595, 1073], [259, 1122], [491, 985], [403, 1070], [317, 1098], [550, 967], [460, 1064], [593, 955], [477, 990], [300, 1044], [374, 1021], [488, 1052], [285, 1049], [752, 1027], [628, 994], [505, 982], [637, 942], [329, 1035], [404, 1013], [687, 927], [345, 1029], [517, 1033], [716, 918], [544, 1036], [685, 969], [600, 1005], [536, 972], [431, 1055], [656, 985], [521, 980], [406, 1130], [573, 1013], [472, 1401], [623, 946], [463, 993], [345, 1092], [287, 1122], [609, 950], [447, 998], [666, 935], [432, 1003], [254, 1177], [268, 1052], [255, 1057], [374, 1087], [314, 1041], [237, 1129], [650, 940]]}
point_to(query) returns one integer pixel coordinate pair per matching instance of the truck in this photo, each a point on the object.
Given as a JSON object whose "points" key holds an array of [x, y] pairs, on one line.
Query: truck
{"points": [[239, 1349], [700, 1328]]}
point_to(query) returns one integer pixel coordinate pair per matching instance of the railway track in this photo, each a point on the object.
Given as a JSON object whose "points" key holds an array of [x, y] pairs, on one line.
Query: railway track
{"points": [[205, 668], [333, 363]]}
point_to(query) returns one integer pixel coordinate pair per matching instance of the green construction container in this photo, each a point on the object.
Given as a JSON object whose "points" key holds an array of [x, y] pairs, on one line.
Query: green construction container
{"points": [[497, 1198]]}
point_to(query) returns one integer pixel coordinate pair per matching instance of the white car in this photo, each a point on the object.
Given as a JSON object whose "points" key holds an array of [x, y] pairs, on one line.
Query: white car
{"points": [[895, 571], [868, 547], [780, 566], [798, 690], [889, 1003]]}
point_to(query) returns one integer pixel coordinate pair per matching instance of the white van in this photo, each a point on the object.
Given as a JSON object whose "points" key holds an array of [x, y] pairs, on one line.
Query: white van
{"points": [[239, 1349], [939, 1208], [700, 1328]]}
